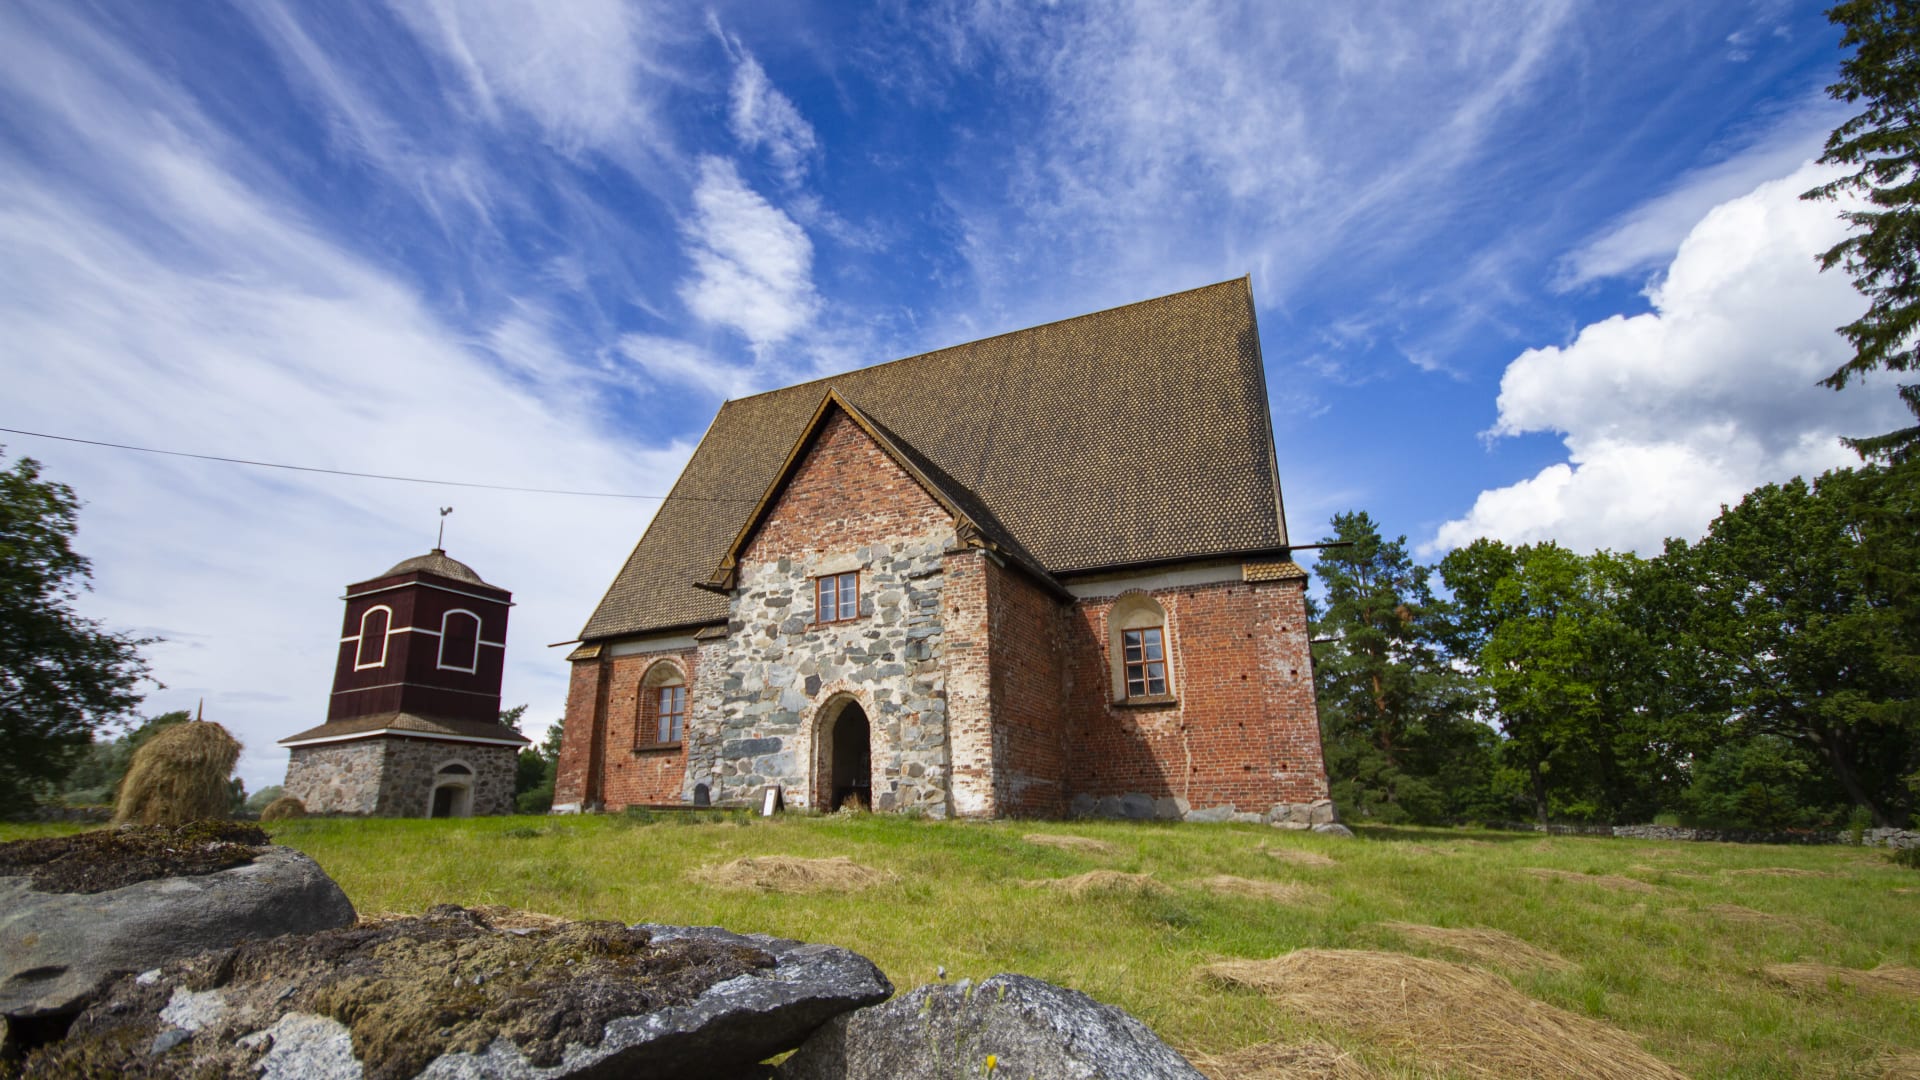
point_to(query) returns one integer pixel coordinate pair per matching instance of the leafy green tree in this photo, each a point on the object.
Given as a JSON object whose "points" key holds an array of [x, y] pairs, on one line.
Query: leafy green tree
{"points": [[1808, 614], [534, 773], [1764, 782], [62, 677], [258, 801], [1882, 146], [96, 776], [1570, 665], [1401, 741]]}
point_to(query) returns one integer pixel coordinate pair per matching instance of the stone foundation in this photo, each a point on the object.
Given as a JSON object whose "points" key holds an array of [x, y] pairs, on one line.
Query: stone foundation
{"points": [[395, 777]]}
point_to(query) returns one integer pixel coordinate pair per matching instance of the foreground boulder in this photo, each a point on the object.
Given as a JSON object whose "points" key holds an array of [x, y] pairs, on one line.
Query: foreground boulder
{"points": [[78, 911], [1025, 1026], [470, 993]]}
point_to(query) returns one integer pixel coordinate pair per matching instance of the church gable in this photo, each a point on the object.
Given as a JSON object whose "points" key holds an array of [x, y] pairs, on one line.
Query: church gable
{"points": [[843, 491]]}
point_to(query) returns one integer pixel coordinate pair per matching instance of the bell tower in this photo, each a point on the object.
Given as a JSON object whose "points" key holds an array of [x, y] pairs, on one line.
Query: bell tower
{"points": [[413, 723]]}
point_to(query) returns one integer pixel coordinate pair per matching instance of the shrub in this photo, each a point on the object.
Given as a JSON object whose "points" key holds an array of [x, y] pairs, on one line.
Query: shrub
{"points": [[178, 776], [537, 801], [1908, 857], [282, 808]]}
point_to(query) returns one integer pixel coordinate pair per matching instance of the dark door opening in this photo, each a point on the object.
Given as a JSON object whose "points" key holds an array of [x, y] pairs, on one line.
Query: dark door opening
{"points": [[443, 801], [852, 761]]}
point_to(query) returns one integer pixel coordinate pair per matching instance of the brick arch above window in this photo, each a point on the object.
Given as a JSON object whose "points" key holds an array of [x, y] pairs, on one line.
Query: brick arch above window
{"points": [[661, 706], [1139, 649]]}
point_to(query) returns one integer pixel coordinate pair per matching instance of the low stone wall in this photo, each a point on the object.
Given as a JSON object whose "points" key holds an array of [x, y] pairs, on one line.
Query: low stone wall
{"points": [[1893, 838]]}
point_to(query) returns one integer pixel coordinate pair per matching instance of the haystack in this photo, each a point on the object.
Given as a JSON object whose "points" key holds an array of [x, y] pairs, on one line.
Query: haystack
{"points": [[792, 874], [1457, 1018], [1070, 843], [282, 808], [1102, 881], [1886, 979], [1495, 948], [179, 775], [1280, 892], [1310, 1060]]}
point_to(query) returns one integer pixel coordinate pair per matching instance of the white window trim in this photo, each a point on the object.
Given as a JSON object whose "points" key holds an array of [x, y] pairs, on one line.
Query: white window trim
{"points": [[440, 659], [358, 651]]}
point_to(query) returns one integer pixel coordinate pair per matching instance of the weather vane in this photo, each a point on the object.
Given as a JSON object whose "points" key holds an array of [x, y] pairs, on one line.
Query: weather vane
{"points": [[441, 543]]}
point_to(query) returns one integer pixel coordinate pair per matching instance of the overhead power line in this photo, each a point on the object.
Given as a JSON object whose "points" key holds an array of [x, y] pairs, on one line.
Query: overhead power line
{"points": [[362, 475]]}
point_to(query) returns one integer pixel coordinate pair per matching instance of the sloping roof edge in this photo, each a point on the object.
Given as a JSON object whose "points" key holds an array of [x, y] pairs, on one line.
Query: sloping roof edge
{"points": [[989, 534]]}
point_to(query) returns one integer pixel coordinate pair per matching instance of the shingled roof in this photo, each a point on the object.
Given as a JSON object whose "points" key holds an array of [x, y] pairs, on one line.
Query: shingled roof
{"points": [[1129, 436]]}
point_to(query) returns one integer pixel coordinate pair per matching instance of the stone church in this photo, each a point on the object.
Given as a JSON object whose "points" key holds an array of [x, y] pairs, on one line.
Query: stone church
{"points": [[1041, 574], [413, 727]]}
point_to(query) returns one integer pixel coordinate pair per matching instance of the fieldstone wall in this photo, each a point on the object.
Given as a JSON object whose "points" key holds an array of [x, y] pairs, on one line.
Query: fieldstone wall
{"points": [[781, 670], [337, 778], [406, 785], [394, 777]]}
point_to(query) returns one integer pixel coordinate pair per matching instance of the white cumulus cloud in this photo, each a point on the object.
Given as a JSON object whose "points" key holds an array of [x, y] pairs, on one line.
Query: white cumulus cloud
{"points": [[1669, 414], [752, 266]]}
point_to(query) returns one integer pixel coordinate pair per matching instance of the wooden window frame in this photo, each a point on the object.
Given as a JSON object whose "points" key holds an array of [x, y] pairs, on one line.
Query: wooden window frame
{"points": [[674, 718], [1144, 665], [839, 596], [446, 634], [360, 661]]}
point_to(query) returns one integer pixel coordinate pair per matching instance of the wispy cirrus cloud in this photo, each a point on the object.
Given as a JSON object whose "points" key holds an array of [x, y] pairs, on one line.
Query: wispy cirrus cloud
{"points": [[586, 71], [161, 288], [752, 265], [764, 119]]}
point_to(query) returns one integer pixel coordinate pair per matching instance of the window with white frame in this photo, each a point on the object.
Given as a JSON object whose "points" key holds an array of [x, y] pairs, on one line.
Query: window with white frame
{"points": [[371, 652], [460, 640]]}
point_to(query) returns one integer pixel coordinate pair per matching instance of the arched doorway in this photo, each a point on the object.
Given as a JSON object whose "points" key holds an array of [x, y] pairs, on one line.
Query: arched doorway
{"points": [[452, 792], [851, 768]]}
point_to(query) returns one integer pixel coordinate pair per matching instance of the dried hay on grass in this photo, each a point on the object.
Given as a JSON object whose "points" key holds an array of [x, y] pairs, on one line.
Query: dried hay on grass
{"points": [[792, 874], [1298, 857], [1685, 875], [1495, 947], [1310, 1060], [1460, 1018], [1738, 914], [283, 808], [1605, 881], [1071, 843], [178, 776], [1282, 892], [1887, 978], [1777, 871], [1102, 881], [1896, 1065]]}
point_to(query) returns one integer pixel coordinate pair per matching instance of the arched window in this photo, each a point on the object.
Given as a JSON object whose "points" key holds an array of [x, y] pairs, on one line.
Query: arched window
{"points": [[372, 650], [662, 708], [460, 640], [1137, 647]]}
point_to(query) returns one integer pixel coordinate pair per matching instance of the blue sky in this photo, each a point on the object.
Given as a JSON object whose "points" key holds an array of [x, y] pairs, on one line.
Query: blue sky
{"points": [[1529, 270]]}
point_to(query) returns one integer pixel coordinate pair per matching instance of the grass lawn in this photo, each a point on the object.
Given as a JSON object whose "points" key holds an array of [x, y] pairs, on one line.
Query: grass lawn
{"points": [[1665, 941]]}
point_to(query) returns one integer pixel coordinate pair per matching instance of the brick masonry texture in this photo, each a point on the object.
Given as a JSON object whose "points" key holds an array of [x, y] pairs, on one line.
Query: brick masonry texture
{"points": [[395, 777], [988, 694]]}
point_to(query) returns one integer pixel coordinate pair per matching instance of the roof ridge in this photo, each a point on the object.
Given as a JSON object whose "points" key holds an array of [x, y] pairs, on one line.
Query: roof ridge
{"points": [[1247, 278]]}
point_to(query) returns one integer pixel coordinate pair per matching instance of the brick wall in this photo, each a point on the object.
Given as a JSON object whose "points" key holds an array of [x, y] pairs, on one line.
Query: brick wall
{"points": [[963, 612], [639, 771], [575, 780], [1242, 729], [1029, 734]]}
